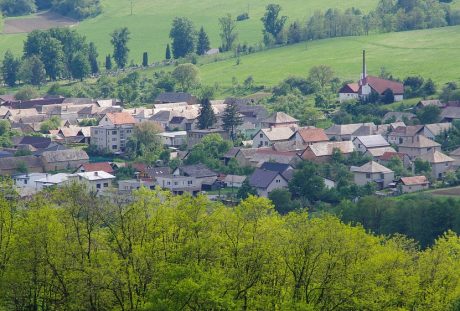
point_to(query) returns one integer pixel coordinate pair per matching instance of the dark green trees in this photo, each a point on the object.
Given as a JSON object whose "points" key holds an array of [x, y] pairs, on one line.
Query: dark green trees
{"points": [[231, 119], [182, 35], [202, 45], [119, 40], [10, 68]]}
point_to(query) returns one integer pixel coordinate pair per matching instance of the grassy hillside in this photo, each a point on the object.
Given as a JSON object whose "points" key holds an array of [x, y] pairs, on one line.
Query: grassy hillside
{"points": [[431, 53], [151, 20]]}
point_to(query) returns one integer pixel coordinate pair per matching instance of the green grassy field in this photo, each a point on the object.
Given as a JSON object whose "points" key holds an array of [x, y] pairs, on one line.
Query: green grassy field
{"points": [[431, 53], [151, 21]]}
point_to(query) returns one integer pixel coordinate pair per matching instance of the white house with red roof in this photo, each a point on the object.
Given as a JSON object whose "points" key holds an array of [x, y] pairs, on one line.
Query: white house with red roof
{"points": [[370, 84]]}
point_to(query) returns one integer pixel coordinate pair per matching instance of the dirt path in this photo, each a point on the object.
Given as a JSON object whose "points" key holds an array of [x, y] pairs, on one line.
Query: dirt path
{"points": [[44, 20]]}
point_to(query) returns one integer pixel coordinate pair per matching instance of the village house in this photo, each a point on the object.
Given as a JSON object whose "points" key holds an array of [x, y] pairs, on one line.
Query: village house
{"points": [[129, 185], [74, 134], [398, 116], [263, 155], [180, 184], [28, 180], [405, 134], [234, 181], [97, 166], [429, 102], [200, 172], [420, 146], [455, 154], [286, 170], [63, 159], [195, 136], [387, 156], [343, 132], [450, 114], [173, 139], [413, 184], [376, 153], [440, 163], [176, 97], [373, 172], [322, 152], [265, 181], [279, 119], [13, 165], [368, 85], [56, 180], [97, 181], [266, 137], [244, 156], [364, 143], [310, 135], [435, 129]]}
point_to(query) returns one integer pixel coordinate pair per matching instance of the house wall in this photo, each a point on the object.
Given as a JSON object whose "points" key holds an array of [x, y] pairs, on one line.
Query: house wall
{"points": [[28, 181], [182, 184], [414, 188], [399, 98], [64, 165], [361, 179], [261, 140], [415, 152], [277, 183], [111, 139], [438, 170], [101, 185], [359, 145], [242, 161], [343, 97]]}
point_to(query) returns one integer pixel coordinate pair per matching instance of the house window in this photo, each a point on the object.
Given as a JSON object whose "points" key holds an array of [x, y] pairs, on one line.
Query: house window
{"points": [[114, 139], [98, 186], [447, 164], [190, 182], [114, 147], [175, 183], [106, 184], [114, 132], [382, 176], [266, 143], [359, 146], [261, 135], [168, 183], [368, 175], [400, 140], [106, 119], [25, 181]]}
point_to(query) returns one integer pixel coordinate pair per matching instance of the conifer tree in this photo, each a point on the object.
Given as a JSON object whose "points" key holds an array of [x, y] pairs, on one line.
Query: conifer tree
{"points": [[231, 119], [207, 118], [168, 52], [203, 44]]}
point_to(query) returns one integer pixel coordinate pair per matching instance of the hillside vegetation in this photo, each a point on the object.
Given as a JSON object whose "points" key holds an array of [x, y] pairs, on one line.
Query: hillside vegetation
{"points": [[151, 21], [430, 53]]}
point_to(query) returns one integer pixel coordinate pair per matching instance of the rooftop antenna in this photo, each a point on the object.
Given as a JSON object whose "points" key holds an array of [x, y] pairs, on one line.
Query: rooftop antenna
{"points": [[364, 74]]}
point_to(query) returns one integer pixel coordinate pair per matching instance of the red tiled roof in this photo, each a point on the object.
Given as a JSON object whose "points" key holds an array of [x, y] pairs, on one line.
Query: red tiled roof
{"points": [[388, 155], [120, 118], [313, 135], [99, 166], [414, 180], [381, 85]]}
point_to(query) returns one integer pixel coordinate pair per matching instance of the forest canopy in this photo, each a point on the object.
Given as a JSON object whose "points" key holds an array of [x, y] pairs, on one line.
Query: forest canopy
{"points": [[67, 249]]}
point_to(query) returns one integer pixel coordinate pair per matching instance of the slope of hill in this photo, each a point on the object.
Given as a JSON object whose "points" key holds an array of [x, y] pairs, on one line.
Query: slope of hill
{"points": [[430, 53], [151, 21]]}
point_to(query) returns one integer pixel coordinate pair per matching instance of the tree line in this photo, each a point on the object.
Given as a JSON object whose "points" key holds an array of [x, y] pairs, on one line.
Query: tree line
{"points": [[67, 249], [71, 8]]}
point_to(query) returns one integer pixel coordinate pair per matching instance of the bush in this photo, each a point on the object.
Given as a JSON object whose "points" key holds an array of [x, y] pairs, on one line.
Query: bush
{"points": [[242, 17]]}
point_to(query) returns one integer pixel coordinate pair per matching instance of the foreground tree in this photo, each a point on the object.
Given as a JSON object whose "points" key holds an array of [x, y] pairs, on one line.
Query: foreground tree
{"points": [[182, 35], [119, 40]]}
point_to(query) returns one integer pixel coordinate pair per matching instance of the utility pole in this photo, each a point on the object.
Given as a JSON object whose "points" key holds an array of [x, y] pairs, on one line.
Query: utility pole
{"points": [[131, 7]]}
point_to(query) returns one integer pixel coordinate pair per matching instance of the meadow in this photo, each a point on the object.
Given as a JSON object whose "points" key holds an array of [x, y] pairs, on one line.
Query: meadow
{"points": [[151, 21], [430, 53]]}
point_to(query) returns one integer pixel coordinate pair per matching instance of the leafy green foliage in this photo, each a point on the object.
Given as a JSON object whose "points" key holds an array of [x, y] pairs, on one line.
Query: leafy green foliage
{"points": [[10, 69], [52, 123], [26, 93], [182, 35], [69, 249], [119, 40], [187, 75], [429, 114], [144, 144], [231, 119], [228, 34]]}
